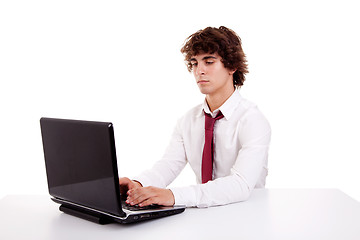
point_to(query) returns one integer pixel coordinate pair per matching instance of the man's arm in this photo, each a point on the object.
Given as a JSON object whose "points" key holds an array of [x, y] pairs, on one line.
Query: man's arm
{"points": [[169, 167], [154, 181]]}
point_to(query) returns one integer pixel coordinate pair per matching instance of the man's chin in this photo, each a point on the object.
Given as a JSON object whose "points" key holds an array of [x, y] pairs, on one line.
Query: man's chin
{"points": [[204, 90]]}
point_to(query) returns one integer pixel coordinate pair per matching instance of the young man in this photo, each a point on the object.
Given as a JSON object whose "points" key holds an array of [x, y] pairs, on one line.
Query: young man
{"points": [[225, 140]]}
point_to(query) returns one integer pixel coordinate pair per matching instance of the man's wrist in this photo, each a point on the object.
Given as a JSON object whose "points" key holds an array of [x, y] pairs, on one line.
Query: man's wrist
{"points": [[172, 196], [139, 183]]}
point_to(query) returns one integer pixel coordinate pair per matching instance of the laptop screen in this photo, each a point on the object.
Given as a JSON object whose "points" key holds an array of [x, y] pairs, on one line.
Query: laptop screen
{"points": [[81, 164]]}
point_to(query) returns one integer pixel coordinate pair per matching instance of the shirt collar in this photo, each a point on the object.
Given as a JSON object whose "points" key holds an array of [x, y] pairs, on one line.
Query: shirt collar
{"points": [[227, 108]]}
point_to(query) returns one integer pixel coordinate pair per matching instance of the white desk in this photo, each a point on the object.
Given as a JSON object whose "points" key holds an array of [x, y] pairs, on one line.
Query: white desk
{"points": [[269, 214]]}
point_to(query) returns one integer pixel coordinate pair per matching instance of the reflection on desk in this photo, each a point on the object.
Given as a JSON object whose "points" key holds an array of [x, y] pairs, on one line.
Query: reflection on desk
{"points": [[268, 214]]}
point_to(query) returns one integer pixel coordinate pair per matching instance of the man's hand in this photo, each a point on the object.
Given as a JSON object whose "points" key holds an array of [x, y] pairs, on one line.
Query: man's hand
{"points": [[126, 184], [150, 195]]}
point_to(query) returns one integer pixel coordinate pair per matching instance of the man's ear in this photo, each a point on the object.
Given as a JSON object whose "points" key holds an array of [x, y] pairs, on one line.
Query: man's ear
{"points": [[231, 72]]}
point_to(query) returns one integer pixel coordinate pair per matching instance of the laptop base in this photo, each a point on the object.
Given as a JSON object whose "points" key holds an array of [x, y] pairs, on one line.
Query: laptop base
{"points": [[84, 214]]}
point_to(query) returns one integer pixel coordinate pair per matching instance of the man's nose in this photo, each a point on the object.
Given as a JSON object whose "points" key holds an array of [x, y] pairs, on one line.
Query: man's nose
{"points": [[200, 70]]}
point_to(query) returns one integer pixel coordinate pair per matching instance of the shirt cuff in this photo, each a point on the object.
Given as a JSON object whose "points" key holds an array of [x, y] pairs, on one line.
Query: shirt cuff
{"points": [[184, 196]]}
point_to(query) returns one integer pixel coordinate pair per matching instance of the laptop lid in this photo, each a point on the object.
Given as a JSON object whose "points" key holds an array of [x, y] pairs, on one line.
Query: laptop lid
{"points": [[81, 164]]}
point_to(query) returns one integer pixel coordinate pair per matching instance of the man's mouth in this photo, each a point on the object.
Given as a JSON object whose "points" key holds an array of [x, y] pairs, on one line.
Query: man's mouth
{"points": [[202, 81]]}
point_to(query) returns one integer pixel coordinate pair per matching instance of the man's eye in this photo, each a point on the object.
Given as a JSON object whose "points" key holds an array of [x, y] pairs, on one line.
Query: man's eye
{"points": [[209, 63], [194, 64]]}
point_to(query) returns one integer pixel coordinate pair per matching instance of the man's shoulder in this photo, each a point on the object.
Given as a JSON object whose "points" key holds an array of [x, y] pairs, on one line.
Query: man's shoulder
{"points": [[190, 117], [195, 110], [192, 112], [248, 106], [247, 109]]}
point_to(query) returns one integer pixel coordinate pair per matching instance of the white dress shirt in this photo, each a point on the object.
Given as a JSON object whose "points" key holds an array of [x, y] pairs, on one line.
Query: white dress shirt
{"points": [[241, 143]]}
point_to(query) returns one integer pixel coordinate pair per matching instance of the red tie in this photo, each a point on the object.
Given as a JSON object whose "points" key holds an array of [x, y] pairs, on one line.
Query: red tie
{"points": [[208, 153]]}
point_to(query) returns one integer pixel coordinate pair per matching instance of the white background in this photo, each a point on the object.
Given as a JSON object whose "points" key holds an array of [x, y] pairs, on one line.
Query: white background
{"points": [[120, 61]]}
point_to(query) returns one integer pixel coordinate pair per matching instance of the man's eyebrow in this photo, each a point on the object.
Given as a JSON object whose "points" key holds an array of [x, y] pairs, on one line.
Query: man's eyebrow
{"points": [[209, 57], [204, 58]]}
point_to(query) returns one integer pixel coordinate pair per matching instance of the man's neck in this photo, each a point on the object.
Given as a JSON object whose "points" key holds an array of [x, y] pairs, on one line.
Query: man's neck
{"points": [[215, 101]]}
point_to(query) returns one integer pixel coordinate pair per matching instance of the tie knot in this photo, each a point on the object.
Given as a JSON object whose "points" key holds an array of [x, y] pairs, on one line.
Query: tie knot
{"points": [[210, 121]]}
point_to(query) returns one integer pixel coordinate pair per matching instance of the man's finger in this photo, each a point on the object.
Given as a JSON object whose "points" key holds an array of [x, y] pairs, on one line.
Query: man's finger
{"points": [[139, 195], [147, 202]]}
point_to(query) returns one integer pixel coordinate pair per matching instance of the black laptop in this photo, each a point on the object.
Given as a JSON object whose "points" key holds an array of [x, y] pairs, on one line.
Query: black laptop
{"points": [[82, 173]]}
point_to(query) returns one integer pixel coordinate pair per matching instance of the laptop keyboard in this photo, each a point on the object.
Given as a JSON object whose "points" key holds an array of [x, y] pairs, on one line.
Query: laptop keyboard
{"points": [[138, 208]]}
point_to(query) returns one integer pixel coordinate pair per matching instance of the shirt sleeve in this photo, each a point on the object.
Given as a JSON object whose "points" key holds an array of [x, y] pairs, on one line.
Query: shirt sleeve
{"points": [[169, 167], [254, 138]]}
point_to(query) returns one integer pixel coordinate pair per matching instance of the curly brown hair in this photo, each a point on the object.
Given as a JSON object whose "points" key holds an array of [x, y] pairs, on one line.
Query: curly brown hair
{"points": [[223, 41]]}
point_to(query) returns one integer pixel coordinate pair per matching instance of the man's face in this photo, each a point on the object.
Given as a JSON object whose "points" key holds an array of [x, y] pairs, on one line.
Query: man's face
{"points": [[210, 74]]}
